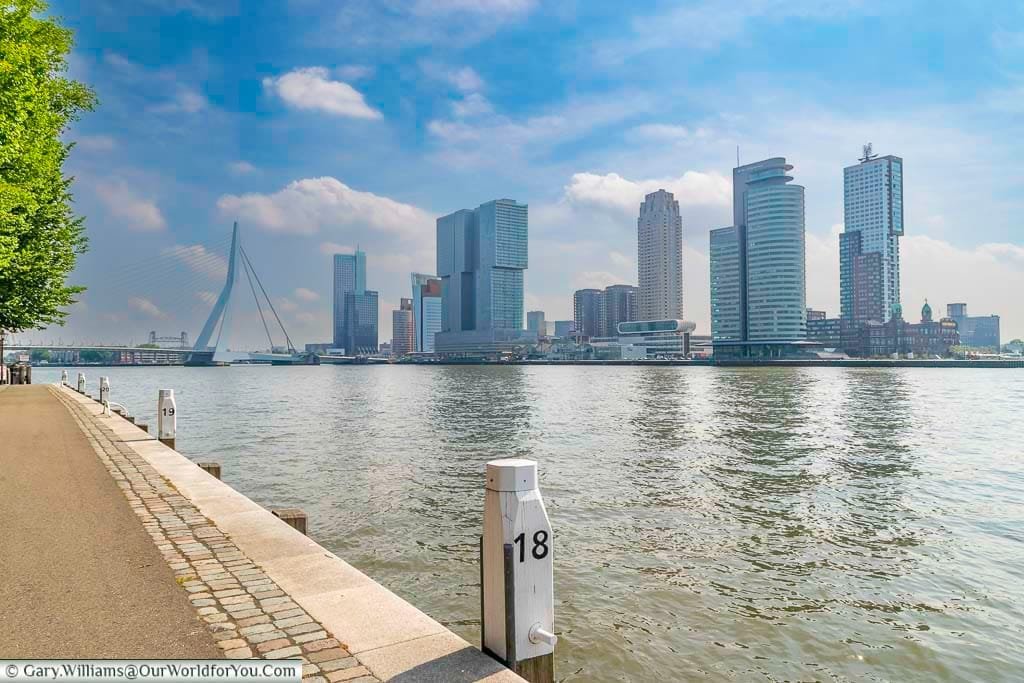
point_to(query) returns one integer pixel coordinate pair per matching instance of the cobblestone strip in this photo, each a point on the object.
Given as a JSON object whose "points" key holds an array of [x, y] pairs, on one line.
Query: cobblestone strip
{"points": [[249, 616]]}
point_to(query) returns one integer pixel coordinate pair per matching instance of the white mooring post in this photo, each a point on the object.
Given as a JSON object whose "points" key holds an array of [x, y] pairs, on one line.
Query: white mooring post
{"points": [[64, 377], [517, 593], [104, 390], [166, 418], [81, 382]]}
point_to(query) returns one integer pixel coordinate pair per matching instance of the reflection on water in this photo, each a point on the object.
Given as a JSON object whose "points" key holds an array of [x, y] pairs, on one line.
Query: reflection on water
{"points": [[731, 524]]}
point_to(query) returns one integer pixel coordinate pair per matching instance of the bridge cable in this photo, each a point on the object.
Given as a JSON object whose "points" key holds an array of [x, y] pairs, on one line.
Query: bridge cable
{"points": [[245, 256], [248, 275]]}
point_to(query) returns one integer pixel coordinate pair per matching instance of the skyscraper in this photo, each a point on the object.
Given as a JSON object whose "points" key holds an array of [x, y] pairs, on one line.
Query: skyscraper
{"points": [[535, 322], [586, 307], [355, 307], [869, 250], [481, 256], [660, 257], [619, 304], [757, 265], [426, 310], [402, 331], [349, 276]]}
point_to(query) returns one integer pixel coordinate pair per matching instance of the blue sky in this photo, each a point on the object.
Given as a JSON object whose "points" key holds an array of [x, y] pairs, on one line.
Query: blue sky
{"points": [[323, 125]]}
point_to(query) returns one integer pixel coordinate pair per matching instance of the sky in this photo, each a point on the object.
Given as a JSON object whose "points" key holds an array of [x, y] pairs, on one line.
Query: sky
{"points": [[322, 126]]}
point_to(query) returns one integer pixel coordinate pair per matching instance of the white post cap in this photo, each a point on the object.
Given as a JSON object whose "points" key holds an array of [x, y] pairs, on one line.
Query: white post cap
{"points": [[166, 393], [512, 474]]}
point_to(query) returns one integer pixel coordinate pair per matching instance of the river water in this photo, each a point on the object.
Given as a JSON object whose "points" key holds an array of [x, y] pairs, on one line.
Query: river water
{"points": [[709, 523]]}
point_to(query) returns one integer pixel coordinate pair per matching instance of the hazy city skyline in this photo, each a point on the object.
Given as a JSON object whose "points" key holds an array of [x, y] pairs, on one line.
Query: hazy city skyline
{"points": [[316, 147]]}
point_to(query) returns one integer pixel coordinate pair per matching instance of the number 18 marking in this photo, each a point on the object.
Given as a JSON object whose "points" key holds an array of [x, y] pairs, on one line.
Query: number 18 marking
{"points": [[540, 545]]}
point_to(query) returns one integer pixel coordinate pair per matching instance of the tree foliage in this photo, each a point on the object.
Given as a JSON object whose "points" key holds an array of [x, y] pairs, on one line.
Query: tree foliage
{"points": [[40, 237]]}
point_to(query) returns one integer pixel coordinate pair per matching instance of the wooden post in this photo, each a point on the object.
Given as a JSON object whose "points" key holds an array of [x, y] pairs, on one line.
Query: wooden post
{"points": [[64, 377], [143, 426], [211, 468], [104, 389], [81, 382], [166, 418], [517, 623], [293, 517]]}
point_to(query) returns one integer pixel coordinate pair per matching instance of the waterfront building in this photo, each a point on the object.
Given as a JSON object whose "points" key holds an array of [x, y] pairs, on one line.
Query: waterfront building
{"points": [[349, 276], [426, 311], [355, 307], [757, 266], [660, 257], [825, 331], [481, 256], [619, 304], [535, 323], [869, 247], [361, 310], [977, 331], [658, 338], [815, 315], [403, 339], [564, 328], [587, 306], [897, 337]]}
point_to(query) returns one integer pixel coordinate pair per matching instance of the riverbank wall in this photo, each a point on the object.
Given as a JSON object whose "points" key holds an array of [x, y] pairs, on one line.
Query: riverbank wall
{"points": [[301, 596]]}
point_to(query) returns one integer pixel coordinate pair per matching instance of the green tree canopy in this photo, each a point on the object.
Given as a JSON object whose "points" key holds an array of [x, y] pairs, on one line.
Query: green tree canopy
{"points": [[40, 237]]}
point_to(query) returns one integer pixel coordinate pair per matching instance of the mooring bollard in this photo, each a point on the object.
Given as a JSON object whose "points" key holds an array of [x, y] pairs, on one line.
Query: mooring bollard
{"points": [[64, 377], [104, 390], [166, 418], [293, 517], [81, 383], [211, 468], [517, 600]]}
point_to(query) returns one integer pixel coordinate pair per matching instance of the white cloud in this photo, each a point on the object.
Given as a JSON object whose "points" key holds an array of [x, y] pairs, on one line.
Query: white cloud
{"points": [[311, 89], [307, 206], [186, 100], [241, 167], [146, 307], [487, 7], [473, 104], [95, 143], [207, 297], [464, 79], [199, 259], [141, 215], [499, 139], [331, 248], [614, 191], [306, 294], [354, 72]]}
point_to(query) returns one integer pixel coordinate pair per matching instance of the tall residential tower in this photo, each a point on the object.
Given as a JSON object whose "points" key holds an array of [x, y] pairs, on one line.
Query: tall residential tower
{"points": [[660, 258], [869, 248]]}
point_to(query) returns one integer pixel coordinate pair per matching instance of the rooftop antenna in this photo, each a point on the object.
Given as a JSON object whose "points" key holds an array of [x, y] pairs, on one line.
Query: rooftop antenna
{"points": [[868, 155]]}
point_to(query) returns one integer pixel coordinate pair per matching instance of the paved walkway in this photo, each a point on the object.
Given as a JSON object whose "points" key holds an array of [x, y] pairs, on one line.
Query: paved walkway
{"points": [[79, 576]]}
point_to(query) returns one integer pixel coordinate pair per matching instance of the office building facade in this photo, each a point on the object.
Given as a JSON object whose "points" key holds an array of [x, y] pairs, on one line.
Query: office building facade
{"points": [[660, 257], [869, 251], [976, 331], [535, 323], [564, 328], [354, 307], [758, 285], [620, 304], [403, 338], [481, 256], [426, 311], [587, 308]]}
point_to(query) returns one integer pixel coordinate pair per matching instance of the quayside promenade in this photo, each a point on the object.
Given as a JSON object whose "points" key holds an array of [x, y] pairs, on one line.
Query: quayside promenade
{"points": [[115, 545]]}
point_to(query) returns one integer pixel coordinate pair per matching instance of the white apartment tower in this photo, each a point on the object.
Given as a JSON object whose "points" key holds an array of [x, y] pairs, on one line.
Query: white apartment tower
{"points": [[660, 258]]}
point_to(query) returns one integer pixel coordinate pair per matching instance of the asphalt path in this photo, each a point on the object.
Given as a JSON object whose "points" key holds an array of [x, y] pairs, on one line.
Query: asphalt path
{"points": [[79, 576]]}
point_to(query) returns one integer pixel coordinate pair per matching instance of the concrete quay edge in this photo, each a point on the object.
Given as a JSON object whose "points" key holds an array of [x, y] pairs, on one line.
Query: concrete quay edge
{"points": [[394, 639]]}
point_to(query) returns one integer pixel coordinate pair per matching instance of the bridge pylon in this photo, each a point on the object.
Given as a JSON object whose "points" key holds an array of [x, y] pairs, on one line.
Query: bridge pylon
{"points": [[203, 352]]}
